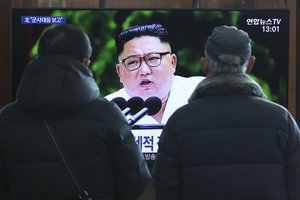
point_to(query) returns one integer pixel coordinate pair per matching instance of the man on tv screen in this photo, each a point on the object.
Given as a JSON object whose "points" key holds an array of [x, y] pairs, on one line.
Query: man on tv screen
{"points": [[146, 68]]}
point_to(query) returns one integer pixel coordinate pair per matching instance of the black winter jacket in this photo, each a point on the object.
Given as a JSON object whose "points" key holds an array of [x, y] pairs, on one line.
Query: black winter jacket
{"points": [[93, 132], [229, 143]]}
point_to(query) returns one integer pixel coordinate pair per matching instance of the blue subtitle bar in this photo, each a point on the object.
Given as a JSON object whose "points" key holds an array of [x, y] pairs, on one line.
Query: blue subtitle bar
{"points": [[43, 19]]}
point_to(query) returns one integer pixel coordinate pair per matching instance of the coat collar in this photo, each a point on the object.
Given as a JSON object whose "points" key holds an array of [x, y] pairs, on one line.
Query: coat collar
{"points": [[56, 85], [227, 83]]}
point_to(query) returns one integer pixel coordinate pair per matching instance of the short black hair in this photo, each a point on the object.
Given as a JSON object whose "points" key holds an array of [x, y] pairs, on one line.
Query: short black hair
{"points": [[155, 30], [65, 39]]}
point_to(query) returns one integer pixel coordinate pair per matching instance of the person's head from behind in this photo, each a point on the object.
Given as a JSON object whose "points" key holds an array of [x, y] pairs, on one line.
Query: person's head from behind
{"points": [[146, 64], [227, 50], [66, 39]]}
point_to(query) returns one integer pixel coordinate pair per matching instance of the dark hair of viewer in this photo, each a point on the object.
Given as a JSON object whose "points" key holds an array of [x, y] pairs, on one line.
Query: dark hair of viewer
{"points": [[59, 40]]}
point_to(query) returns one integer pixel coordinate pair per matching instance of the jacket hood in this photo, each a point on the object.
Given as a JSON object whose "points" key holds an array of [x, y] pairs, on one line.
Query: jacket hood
{"points": [[227, 83], [56, 85]]}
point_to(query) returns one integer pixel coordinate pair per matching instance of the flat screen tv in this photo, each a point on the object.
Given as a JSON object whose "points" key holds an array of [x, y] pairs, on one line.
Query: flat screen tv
{"points": [[188, 29]]}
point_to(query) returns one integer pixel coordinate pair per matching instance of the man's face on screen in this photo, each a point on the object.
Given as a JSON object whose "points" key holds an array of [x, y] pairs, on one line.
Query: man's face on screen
{"points": [[147, 67]]}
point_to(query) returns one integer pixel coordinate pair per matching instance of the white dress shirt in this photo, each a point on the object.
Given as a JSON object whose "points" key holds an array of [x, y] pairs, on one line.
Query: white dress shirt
{"points": [[181, 90]]}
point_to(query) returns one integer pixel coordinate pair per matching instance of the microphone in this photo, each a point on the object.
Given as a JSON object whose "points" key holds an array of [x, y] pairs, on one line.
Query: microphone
{"points": [[133, 105], [151, 106], [120, 101]]}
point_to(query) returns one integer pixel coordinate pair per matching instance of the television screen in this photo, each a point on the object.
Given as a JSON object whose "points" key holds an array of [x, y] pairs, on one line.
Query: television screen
{"points": [[188, 30]]}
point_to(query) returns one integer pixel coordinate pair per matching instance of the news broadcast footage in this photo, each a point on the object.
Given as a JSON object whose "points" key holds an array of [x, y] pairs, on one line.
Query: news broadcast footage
{"points": [[188, 30]]}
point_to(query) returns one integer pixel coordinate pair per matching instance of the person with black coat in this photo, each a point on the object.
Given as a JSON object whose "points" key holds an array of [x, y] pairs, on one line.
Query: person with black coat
{"points": [[58, 97], [229, 142]]}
